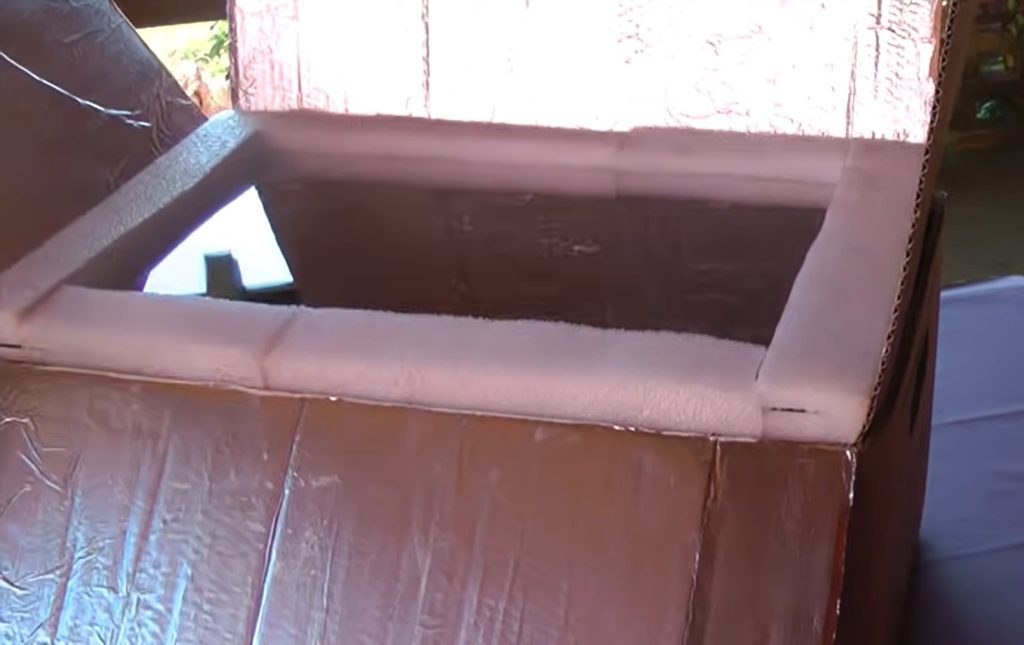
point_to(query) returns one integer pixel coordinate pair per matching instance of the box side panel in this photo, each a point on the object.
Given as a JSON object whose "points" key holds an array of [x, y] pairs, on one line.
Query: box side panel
{"points": [[892, 467], [399, 525], [774, 525], [86, 106], [141, 510], [132, 511]]}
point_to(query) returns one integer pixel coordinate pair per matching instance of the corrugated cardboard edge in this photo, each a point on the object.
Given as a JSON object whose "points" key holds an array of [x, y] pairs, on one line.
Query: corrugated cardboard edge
{"points": [[887, 495], [952, 55]]}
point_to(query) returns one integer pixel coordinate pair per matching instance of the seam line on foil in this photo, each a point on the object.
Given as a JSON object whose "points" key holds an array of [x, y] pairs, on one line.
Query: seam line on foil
{"points": [[710, 493], [125, 116], [272, 343], [276, 528]]}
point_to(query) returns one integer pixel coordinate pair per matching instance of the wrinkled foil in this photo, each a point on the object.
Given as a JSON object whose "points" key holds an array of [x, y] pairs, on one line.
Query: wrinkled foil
{"points": [[85, 107], [135, 511]]}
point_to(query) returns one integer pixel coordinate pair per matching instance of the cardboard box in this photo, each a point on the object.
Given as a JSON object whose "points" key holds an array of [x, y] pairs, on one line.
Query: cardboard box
{"points": [[222, 471], [588, 513], [146, 509]]}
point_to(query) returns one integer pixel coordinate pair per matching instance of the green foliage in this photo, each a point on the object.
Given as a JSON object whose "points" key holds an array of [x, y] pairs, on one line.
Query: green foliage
{"points": [[210, 52], [204, 43]]}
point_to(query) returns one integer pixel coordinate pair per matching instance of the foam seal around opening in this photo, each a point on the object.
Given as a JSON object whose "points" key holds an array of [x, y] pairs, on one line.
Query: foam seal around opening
{"points": [[662, 381], [815, 383], [655, 380], [821, 366]]}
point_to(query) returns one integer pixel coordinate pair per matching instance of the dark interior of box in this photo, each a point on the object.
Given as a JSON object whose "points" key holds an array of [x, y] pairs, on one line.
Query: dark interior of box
{"points": [[635, 263]]}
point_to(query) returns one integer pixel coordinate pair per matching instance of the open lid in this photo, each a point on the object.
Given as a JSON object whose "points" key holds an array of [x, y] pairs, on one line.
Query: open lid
{"points": [[85, 107], [841, 69]]}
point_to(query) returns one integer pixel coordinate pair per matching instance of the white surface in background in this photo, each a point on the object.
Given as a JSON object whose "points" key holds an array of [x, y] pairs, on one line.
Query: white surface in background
{"points": [[242, 228], [970, 566]]}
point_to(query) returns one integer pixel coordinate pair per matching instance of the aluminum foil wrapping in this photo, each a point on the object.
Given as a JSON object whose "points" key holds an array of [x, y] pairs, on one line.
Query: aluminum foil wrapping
{"points": [[134, 511], [85, 107]]}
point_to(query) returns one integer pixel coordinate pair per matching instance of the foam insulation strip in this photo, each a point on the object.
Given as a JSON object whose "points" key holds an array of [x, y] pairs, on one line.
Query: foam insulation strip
{"points": [[736, 167], [160, 206], [819, 372], [663, 381]]}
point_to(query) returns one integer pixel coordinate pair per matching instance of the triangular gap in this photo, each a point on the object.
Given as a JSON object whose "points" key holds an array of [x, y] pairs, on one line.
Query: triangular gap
{"points": [[241, 230]]}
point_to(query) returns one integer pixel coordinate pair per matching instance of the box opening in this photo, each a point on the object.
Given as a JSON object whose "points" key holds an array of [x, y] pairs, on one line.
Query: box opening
{"points": [[639, 263]]}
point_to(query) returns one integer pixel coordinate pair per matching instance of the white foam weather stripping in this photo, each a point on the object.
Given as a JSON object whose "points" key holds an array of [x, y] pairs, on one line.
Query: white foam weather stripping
{"points": [[817, 374]]}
